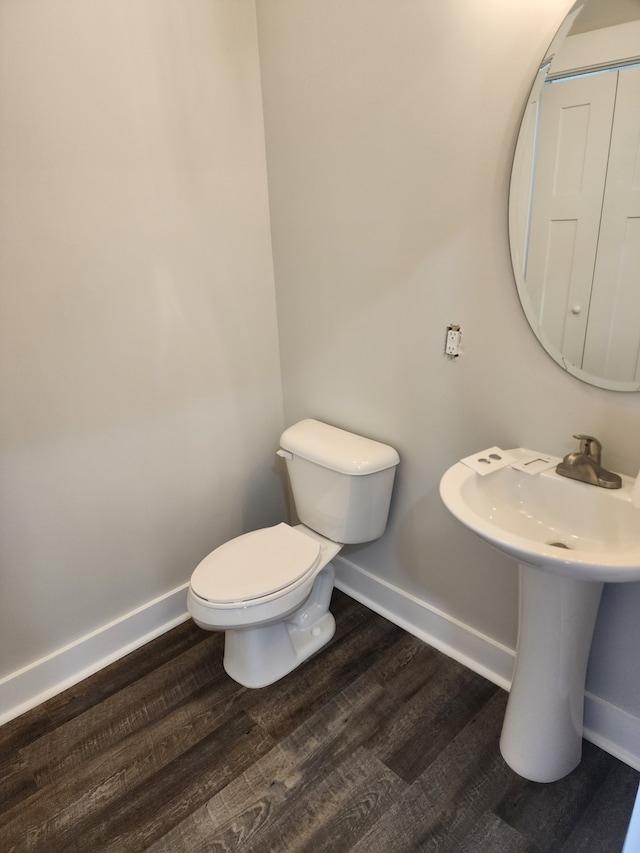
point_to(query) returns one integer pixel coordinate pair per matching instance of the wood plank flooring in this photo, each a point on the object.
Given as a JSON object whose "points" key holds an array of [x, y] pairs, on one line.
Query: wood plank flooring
{"points": [[379, 744]]}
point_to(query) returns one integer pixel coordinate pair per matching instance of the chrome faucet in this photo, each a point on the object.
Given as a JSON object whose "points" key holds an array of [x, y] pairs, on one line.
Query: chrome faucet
{"points": [[585, 465]]}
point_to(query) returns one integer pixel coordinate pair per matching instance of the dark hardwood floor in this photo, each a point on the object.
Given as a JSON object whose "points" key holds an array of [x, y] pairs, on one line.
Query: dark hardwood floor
{"points": [[378, 744]]}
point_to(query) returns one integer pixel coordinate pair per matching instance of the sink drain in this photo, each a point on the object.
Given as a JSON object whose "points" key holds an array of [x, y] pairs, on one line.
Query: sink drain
{"points": [[559, 545]]}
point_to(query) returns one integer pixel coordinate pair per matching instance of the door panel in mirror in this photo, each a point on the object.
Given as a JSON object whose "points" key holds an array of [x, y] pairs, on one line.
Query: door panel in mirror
{"points": [[612, 343], [571, 170]]}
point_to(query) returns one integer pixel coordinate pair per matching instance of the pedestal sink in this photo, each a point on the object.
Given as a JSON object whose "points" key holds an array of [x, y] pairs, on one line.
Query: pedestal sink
{"points": [[569, 538]]}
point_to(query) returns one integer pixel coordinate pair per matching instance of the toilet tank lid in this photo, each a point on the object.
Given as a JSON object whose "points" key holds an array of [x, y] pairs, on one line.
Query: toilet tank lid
{"points": [[337, 449]]}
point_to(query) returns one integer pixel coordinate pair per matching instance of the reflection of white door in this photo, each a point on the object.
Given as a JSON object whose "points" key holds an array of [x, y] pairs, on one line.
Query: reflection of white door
{"points": [[612, 346], [575, 122]]}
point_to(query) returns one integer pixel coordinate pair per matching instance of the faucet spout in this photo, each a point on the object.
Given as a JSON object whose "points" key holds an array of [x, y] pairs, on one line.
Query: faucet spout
{"points": [[585, 465]]}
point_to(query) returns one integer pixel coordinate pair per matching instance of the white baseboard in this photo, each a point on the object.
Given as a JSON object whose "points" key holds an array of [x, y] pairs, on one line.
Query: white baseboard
{"points": [[612, 729], [50, 675]]}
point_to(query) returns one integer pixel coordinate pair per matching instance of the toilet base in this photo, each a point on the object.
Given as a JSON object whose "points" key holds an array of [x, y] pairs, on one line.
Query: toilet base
{"points": [[256, 657]]}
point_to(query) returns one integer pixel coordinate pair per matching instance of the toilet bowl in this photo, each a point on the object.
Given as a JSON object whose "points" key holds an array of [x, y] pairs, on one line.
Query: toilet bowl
{"points": [[258, 578], [270, 590]]}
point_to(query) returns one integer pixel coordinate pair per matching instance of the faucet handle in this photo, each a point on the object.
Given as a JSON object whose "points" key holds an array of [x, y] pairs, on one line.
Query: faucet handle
{"points": [[590, 446]]}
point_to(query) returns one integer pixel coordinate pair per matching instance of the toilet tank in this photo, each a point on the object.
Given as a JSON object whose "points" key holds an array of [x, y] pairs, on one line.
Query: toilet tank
{"points": [[341, 482]]}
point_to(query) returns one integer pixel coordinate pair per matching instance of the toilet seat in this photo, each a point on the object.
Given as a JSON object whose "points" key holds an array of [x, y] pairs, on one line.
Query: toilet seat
{"points": [[256, 565]]}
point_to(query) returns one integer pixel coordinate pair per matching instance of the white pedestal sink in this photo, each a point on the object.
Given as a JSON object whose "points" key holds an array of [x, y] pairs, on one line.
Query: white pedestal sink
{"points": [[568, 539]]}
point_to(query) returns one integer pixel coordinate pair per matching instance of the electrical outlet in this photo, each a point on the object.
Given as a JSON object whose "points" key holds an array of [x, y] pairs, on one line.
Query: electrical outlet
{"points": [[452, 342]]}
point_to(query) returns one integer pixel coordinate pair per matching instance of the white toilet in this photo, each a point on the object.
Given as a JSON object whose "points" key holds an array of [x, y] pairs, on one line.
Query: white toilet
{"points": [[270, 590]]}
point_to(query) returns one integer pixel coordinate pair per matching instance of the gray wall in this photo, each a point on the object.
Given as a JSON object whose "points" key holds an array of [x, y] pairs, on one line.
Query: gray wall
{"points": [[139, 365], [390, 133]]}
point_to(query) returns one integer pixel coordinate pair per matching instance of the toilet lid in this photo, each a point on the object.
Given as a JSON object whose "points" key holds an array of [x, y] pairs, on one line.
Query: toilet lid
{"points": [[255, 564]]}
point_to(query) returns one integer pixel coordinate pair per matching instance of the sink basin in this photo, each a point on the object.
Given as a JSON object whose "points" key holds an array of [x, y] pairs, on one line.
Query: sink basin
{"points": [[564, 526], [568, 538]]}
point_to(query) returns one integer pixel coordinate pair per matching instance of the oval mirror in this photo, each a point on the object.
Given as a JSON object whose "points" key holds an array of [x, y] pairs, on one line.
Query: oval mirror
{"points": [[574, 206]]}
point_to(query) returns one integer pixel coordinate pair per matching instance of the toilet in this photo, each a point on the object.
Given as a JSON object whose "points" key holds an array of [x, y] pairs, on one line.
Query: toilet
{"points": [[270, 590]]}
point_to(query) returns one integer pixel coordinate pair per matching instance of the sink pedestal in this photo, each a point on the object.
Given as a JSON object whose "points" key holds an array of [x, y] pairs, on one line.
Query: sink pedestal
{"points": [[542, 732], [568, 539]]}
